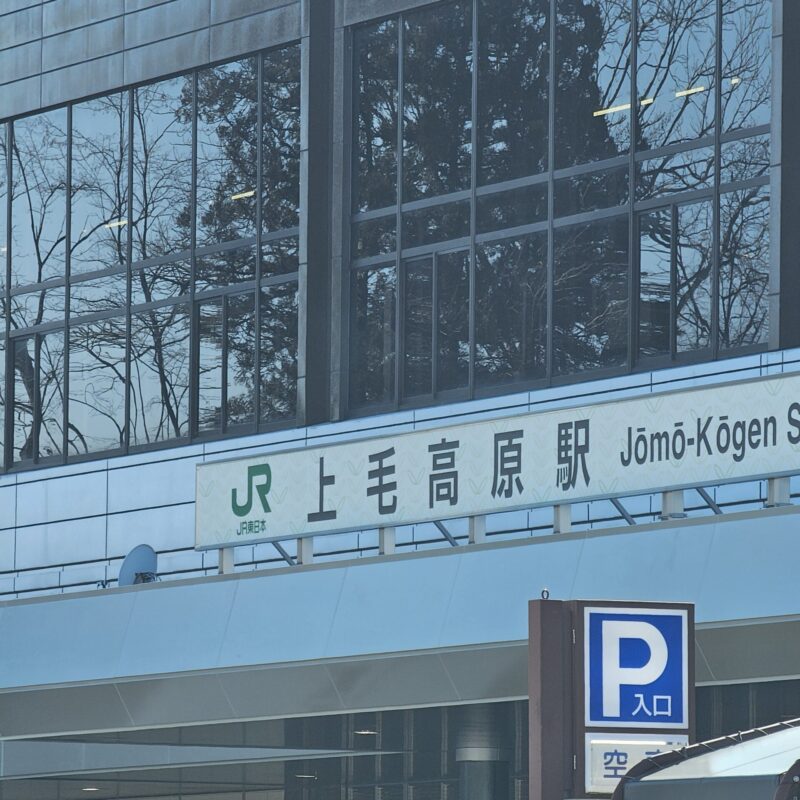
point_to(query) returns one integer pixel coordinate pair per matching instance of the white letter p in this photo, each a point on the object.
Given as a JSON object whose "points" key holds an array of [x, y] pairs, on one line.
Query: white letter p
{"points": [[614, 675]]}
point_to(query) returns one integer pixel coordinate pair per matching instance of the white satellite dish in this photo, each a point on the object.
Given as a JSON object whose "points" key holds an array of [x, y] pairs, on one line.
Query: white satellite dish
{"points": [[139, 566]]}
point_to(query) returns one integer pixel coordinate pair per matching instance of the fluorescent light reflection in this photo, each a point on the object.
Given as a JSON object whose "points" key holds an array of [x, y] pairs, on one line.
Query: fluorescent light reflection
{"points": [[602, 112], [630, 741], [365, 732], [735, 81], [117, 223], [647, 101], [243, 195], [687, 92], [309, 777]]}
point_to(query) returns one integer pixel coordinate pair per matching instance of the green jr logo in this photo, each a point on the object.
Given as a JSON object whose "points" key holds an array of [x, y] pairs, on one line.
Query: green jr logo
{"points": [[253, 474]]}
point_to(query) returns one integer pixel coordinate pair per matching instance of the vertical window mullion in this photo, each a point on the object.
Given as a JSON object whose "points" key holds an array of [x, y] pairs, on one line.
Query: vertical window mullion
{"points": [[673, 283], [194, 328], [399, 274], [67, 291], [551, 155], [472, 212], [36, 405], [434, 321], [634, 238], [259, 223], [129, 276], [715, 210], [223, 397], [8, 422]]}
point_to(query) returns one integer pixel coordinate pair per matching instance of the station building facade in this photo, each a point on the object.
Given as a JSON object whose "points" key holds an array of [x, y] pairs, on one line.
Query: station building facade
{"points": [[236, 227]]}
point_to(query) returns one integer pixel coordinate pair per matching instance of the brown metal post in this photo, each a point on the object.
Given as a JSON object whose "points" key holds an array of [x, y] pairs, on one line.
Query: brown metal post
{"points": [[550, 706]]}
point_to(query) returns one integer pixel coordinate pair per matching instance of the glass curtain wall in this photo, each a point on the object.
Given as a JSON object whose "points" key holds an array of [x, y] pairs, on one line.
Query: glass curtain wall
{"points": [[543, 189], [150, 266]]}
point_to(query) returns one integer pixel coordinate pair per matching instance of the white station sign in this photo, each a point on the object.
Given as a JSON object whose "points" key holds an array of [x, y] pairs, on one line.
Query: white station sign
{"points": [[698, 437]]}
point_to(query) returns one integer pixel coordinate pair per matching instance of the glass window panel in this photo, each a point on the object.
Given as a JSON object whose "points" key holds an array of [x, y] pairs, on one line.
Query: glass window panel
{"points": [[681, 172], [39, 198], [99, 190], [593, 57], [675, 71], [437, 100], [765, 702], [227, 152], [513, 68], [3, 203], [375, 115], [97, 386], [160, 282], [452, 314], [746, 63], [35, 308], [590, 325], [159, 404], [162, 168], [50, 426], [744, 268], [744, 159], [101, 294], [655, 283], [375, 237], [209, 367], [591, 191], [24, 388], [225, 268], [418, 328], [501, 210], [281, 139], [372, 336], [428, 743], [511, 310], [734, 706], [435, 224], [693, 266], [280, 257], [278, 350], [241, 368]]}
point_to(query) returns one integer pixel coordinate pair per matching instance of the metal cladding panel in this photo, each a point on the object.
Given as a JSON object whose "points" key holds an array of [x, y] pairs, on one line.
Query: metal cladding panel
{"points": [[287, 617], [464, 597], [772, 651]]}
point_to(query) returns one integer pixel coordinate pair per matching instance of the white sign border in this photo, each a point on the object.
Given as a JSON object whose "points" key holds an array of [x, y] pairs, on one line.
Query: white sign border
{"points": [[640, 610]]}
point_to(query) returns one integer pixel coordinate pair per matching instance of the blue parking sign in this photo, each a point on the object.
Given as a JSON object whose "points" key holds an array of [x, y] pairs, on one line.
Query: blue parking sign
{"points": [[636, 667]]}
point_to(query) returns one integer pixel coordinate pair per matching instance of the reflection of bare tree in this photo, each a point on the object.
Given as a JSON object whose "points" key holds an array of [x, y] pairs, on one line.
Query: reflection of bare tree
{"points": [[593, 46], [744, 267], [38, 195], [376, 117], [162, 169], [591, 296], [159, 359], [511, 289], [676, 64], [693, 266], [746, 63], [437, 101], [372, 336], [38, 233]]}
